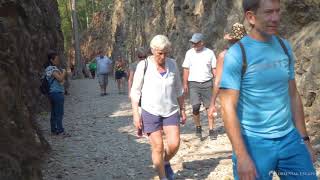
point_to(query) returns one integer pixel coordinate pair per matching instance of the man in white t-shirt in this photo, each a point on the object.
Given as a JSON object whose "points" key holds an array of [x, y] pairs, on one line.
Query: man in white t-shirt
{"points": [[103, 69], [198, 76]]}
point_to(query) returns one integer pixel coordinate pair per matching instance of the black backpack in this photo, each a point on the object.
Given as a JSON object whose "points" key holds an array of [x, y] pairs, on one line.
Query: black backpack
{"points": [[45, 85]]}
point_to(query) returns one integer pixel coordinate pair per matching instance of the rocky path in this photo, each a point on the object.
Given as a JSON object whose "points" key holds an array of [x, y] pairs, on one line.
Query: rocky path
{"points": [[103, 143]]}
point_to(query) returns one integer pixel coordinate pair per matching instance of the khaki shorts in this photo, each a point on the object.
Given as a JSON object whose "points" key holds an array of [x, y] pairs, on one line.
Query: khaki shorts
{"points": [[103, 79], [200, 92]]}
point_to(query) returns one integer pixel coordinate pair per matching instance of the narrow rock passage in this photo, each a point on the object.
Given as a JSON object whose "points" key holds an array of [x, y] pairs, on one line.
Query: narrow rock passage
{"points": [[103, 145]]}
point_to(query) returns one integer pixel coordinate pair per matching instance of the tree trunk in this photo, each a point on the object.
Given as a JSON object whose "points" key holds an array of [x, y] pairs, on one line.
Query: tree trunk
{"points": [[79, 64], [93, 6], [87, 14]]}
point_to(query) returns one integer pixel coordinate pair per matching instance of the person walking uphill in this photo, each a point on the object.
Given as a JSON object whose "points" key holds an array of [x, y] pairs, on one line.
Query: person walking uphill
{"points": [[120, 74], [55, 79], [237, 32], [103, 69], [198, 72], [141, 54], [93, 68], [157, 80], [261, 107]]}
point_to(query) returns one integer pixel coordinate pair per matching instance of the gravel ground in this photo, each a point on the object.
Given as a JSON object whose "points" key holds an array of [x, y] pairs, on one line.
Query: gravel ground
{"points": [[103, 145]]}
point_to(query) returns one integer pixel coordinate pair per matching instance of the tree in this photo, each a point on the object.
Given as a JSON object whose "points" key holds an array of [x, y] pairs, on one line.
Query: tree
{"points": [[79, 63]]}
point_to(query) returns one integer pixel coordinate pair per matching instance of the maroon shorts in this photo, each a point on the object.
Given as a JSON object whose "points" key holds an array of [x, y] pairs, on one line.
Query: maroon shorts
{"points": [[152, 123]]}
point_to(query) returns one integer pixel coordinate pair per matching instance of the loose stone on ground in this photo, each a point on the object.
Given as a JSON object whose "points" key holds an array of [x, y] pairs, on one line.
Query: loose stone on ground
{"points": [[103, 144]]}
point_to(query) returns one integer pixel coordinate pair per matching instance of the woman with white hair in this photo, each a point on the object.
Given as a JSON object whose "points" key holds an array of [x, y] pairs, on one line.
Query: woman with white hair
{"points": [[157, 81]]}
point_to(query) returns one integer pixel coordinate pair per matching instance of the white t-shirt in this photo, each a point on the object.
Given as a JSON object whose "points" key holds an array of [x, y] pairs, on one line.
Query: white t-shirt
{"points": [[200, 64], [103, 65]]}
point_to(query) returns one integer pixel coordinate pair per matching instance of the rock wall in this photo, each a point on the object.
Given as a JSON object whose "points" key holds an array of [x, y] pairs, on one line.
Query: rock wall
{"points": [[133, 23], [28, 29]]}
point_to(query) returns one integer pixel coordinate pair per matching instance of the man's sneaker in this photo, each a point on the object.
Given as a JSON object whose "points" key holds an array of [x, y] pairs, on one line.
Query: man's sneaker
{"points": [[199, 132], [212, 134], [169, 171]]}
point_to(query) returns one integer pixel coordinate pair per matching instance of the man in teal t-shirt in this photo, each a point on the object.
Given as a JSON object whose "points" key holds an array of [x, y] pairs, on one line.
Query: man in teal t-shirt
{"points": [[261, 107]]}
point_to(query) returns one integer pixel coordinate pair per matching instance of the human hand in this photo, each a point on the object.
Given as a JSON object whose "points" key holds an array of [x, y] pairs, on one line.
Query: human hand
{"points": [[183, 117], [137, 120], [246, 168], [63, 72], [212, 110]]}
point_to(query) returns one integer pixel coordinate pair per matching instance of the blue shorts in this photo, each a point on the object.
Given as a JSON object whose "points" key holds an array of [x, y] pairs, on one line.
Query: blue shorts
{"points": [[153, 123], [287, 156]]}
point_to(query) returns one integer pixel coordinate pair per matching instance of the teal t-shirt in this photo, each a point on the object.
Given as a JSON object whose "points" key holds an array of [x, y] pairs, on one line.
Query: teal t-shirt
{"points": [[264, 108]]}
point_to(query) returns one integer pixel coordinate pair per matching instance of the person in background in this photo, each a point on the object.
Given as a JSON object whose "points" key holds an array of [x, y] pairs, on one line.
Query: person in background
{"points": [[260, 105], [56, 78], [93, 68], [120, 74], [103, 69], [198, 76], [162, 99], [238, 31], [141, 55]]}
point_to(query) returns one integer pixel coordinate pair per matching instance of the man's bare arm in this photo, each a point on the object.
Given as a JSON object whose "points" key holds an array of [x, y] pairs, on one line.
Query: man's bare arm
{"points": [[298, 114], [185, 80], [229, 101], [297, 108]]}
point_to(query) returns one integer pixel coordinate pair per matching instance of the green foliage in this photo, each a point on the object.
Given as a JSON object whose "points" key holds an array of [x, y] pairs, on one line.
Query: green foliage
{"points": [[85, 11]]}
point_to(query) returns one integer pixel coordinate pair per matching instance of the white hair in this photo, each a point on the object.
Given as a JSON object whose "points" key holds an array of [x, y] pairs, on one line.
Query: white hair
{"points": [[160, 42]]}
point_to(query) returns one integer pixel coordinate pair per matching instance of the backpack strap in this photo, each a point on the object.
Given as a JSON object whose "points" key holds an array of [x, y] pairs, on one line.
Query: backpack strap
{"points": [[144, 72], [145, 69], [285, 49], [145, 66], [244, 59]]}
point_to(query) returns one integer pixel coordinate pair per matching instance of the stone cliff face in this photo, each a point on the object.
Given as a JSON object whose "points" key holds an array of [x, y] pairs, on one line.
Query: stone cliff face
{"points": [[28, 29], [133, 23]]}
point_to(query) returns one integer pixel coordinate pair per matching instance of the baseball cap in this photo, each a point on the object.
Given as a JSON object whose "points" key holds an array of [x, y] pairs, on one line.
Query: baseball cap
{"points": [[196, 37]]}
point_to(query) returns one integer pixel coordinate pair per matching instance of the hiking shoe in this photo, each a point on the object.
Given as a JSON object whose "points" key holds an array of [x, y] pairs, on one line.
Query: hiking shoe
{"points": [[199, 132], [212, 134], [169, 171]]}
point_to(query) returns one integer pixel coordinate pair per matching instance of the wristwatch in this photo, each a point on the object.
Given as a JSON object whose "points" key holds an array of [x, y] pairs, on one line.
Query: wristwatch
{"points": [[306, 138]]}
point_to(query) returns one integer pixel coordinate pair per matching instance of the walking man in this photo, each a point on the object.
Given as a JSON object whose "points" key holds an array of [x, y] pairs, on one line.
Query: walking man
{"points": [[103, 69], [198, 73], [261, 107]]}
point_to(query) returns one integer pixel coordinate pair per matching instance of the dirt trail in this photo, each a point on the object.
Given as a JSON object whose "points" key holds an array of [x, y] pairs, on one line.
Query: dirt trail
{"points": [[103, 144]]}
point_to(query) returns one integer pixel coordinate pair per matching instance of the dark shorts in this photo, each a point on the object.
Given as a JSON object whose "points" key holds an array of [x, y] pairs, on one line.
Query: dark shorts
{"points": [[200, 92], [120, 74], [152, 123]]}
